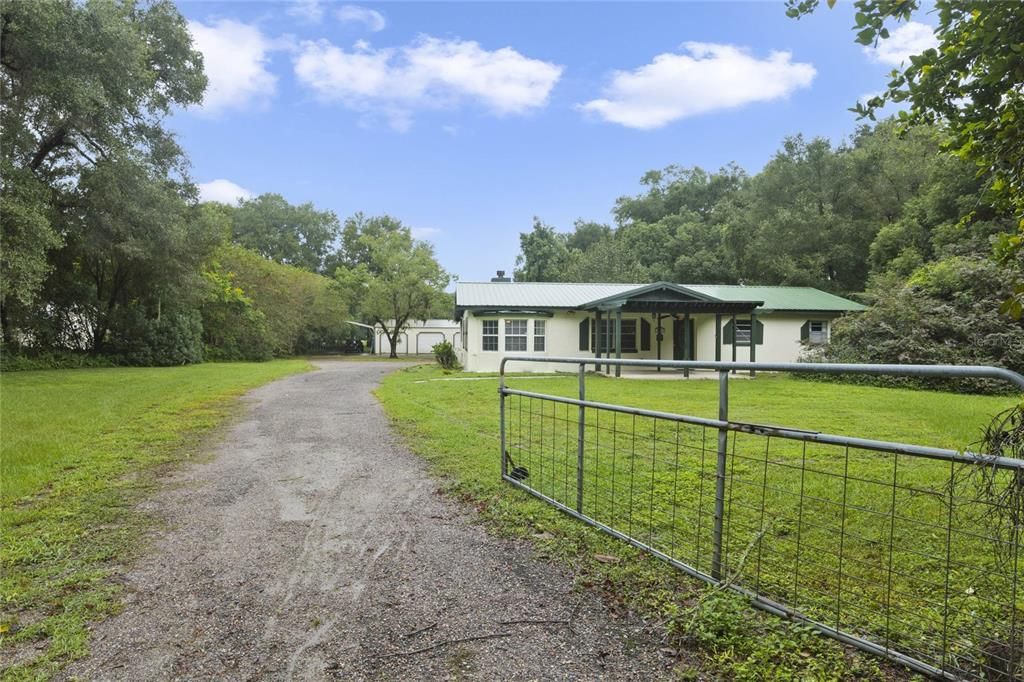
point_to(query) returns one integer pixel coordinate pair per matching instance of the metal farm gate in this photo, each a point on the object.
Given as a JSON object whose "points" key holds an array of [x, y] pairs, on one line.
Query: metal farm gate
{"points": [[906, 551]]}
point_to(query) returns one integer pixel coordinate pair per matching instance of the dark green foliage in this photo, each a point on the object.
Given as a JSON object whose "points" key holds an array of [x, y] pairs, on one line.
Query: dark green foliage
{"points": [[18, 361], [444, 353], [85, 84], [292, 235], [945, 313], [545, 255], [171, 339], [973, 84]]}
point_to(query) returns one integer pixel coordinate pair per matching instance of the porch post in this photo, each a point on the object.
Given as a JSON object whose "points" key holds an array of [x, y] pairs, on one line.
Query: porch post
{"points": [[618, 341], [687, 340], [753, 340], [718, 337], [597, 341], [734, 339], [658, 334]]}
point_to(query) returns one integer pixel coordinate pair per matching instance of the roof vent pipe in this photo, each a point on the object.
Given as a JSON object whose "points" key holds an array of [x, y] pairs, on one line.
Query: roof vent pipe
{"points": [[501, 277]]}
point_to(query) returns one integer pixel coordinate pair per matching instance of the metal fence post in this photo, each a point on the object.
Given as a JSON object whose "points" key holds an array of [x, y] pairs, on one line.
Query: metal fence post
{"points": [[580, 437], [723, 446], [501, 420]]}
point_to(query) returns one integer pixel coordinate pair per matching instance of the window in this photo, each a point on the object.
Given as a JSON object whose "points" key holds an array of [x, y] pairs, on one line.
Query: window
{"points": [[742, 332], [515, 335], [607, 330], [538, 335], [463, 329], [816, 332], [490, 335], [629, 336]]}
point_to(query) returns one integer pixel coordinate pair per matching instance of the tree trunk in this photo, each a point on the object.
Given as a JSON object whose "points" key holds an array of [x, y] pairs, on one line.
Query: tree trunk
{"points": [[5, 332], [394, 344]]}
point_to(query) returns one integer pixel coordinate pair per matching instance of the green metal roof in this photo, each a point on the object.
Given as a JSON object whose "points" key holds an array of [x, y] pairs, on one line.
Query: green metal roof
{"points": [[534, 295], [780, 298]]}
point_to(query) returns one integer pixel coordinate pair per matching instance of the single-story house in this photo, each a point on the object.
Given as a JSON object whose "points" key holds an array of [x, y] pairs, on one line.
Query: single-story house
{"points": [[648, 321], [418, 336]]}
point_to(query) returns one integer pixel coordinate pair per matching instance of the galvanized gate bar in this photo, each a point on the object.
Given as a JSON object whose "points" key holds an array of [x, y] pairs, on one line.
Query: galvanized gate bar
{"points": [[723, 427], [947, 371], [964, 457]]}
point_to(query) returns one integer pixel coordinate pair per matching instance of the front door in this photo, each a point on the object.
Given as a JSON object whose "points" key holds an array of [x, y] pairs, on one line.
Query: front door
{"points": [[682, 340]]}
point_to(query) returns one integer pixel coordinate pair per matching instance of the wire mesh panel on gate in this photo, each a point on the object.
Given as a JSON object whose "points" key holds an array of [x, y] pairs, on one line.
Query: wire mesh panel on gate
{"points": [[918, 556]]}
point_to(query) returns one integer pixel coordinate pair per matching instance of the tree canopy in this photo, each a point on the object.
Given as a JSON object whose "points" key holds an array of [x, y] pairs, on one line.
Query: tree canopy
{"points": [[972, 84], [391, 277], [81, 84], [292, 235]]}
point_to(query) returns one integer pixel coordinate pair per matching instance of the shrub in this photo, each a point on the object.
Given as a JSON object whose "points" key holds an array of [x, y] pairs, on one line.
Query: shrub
{"points": [[26, 360], [947, 312], [444, 352], [175, 338]]}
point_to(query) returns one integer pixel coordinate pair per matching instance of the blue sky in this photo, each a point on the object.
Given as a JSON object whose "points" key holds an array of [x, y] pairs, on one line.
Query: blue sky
{"points": [[465, 120]]}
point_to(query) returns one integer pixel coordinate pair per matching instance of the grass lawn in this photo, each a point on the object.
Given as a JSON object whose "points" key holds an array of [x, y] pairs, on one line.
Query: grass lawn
{"points": [[78, 450], [454, 424]]}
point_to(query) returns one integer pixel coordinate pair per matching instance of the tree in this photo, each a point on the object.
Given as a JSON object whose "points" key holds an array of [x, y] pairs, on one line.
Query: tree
{"points": [[133, 252], [543, 254], [396, 278], [586, 234], [972, 84], [80, 83], [292, 235], [255, 307]]}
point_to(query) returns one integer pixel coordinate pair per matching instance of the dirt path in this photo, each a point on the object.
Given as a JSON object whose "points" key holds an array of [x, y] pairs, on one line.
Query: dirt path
{"points": [[314, 546]]}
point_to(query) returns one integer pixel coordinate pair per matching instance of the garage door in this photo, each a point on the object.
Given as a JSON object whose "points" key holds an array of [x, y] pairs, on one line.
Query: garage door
{"points": [[425, 341]]}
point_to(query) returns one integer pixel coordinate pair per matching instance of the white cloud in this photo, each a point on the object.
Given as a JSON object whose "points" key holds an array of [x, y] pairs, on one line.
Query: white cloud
{"points": [[428, 73], [909, 39], [711, 77], [373, 19], [307, 10], [235, 60], [223, 191]]}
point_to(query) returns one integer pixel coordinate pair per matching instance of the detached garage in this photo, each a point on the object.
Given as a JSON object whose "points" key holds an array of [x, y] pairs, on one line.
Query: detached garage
{"points": [[419, 337]]}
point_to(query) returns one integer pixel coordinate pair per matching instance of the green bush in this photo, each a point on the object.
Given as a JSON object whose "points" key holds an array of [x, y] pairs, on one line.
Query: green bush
{"points": [[947, 312], [444, 353], [256, 308], [23, 360], [171, 339]]}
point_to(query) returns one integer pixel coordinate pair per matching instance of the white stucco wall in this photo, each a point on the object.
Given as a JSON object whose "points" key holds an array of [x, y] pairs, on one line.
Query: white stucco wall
{"points": [[781, 340]]}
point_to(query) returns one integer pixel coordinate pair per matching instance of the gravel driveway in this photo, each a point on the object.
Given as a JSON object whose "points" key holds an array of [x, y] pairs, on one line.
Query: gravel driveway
{"points": [[314, 546]]}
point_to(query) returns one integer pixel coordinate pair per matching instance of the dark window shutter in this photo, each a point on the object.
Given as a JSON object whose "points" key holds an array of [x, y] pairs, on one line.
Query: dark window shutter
{"points": [[585, 335], [759, 333], [727, 333], [645, 335], [805, 331]]}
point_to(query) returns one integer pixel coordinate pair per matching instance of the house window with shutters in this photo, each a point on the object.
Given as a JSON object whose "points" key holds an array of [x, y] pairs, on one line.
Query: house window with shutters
{"points": [[741, 332], [814, 332], [607, 331]]}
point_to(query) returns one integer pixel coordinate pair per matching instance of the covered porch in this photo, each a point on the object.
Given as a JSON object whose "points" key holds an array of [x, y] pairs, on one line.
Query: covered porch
{"points": [[671, 304]]}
